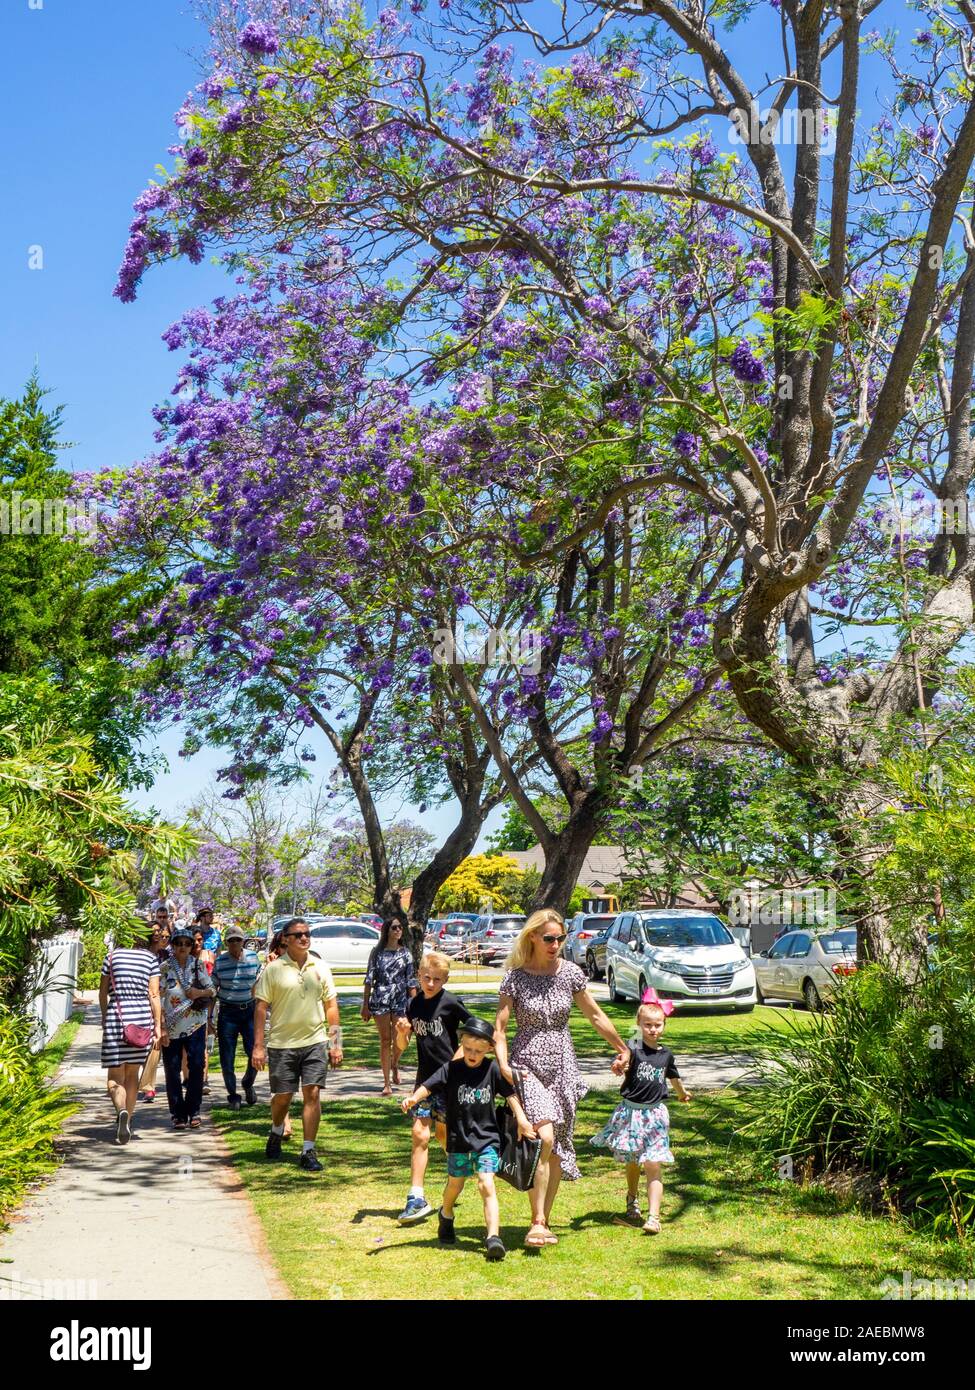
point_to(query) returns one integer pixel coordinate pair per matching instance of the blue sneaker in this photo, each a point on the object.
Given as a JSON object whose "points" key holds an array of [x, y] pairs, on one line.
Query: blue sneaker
{"points": [[416, 1209]]}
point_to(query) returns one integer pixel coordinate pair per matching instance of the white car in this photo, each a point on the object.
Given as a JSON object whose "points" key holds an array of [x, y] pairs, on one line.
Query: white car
{"points": [[689, 957], [343, 943]]}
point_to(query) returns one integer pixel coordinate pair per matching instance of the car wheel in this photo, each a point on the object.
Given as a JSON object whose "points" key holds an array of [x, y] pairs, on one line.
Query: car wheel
{"points": [[613, 996], [811, 995], [642, 990], [592, 970], [746, 1010]]}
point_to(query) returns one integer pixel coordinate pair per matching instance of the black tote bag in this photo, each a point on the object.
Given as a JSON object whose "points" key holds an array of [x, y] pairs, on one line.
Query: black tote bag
{"points": [[519, 1157]]}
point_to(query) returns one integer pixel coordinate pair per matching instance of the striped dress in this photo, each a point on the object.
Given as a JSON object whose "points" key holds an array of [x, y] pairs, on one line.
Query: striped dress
{"points": [[132, 969]]}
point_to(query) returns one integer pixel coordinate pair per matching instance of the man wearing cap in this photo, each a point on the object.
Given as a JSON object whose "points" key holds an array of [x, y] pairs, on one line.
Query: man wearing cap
{"points": [[211, 936], [301, 995], [235, 973]]}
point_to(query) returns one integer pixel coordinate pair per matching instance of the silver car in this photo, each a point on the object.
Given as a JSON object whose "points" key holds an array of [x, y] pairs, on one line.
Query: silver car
{"points": [[445, 936], [491, 936], [806, 966], [582, 931]]}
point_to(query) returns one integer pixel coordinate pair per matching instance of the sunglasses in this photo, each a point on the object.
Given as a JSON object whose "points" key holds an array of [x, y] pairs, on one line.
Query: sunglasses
{"points": [[549, 939], [298, 936]]}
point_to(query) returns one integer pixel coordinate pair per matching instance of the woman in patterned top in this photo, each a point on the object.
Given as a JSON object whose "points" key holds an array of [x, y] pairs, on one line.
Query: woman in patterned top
{"points": [[541, 988], [390, 984]]}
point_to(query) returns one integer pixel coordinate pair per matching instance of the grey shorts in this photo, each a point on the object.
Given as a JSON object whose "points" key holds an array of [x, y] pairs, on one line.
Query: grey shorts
{"points": [[290, 1068]]}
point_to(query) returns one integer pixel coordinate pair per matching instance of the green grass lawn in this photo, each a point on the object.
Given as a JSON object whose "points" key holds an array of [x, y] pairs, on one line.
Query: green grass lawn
{"points": [[688, 1034], [726, 1234], [51, 1057]]}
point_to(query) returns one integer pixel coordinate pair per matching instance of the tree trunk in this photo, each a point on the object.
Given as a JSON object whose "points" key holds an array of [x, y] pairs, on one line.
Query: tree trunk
{"points": [[564, 861], [429, 881], [851, 814]]}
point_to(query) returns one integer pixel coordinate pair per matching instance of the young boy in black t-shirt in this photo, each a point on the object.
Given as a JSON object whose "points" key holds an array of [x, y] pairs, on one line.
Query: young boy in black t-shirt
{"points": [[432, 1017], [470, 1085]]}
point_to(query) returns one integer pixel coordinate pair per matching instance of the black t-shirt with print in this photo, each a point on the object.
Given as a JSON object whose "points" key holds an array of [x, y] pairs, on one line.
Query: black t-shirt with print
{"points": [[470, 1093], [435, 1022], [645, 1082]]}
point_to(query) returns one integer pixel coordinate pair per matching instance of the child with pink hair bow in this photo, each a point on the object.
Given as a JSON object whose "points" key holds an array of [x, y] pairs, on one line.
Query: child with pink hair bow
{"points": [[638, 1131]]}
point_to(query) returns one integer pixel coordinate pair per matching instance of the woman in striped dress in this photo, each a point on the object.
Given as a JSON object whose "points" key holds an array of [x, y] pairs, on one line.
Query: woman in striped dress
{"points": [[128, 994]]}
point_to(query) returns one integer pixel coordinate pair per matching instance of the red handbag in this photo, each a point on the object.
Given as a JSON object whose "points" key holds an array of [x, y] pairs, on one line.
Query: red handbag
{"points": [[135, 1034]]}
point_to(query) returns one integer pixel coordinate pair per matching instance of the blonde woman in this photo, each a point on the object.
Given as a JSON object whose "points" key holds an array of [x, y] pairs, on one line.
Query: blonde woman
{"points": [[541, 988]]}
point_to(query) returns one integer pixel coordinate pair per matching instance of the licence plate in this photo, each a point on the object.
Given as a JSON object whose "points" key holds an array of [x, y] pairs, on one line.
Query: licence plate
{"points": [[710, 989]]}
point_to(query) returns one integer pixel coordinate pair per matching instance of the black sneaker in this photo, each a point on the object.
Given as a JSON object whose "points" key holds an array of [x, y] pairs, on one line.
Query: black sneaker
{"points": [[445, 1229], [495, 1248], [272, 1149], [249, 1095], [310, 1161], [234, 1102], [122, 1131]]}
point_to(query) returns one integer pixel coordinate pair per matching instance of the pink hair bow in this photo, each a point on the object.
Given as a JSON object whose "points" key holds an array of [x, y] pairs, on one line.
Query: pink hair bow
{"points": [[650, 997]]}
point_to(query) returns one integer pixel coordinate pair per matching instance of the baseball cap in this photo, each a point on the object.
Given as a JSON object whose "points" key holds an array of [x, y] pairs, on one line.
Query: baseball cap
{"points": [[234, 934], [477, 1028], [181, 931]]}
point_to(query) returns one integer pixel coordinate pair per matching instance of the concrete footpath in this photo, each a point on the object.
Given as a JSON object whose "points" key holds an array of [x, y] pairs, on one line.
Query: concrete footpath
{"points": [[164, 1217]]}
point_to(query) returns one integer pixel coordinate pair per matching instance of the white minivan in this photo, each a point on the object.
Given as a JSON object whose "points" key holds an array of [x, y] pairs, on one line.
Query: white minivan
{"points": [[687, 956]]}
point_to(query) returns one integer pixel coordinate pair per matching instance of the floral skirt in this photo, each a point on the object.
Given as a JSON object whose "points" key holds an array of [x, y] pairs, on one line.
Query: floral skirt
{"points": [[636, 1134]]}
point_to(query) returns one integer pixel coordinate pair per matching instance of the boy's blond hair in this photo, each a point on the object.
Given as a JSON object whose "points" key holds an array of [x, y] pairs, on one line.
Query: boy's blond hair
{"points": [[438, 960], [650, 1009]]}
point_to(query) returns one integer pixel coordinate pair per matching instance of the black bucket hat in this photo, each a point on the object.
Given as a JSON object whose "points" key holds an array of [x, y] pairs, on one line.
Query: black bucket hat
{"points": [[477, 1028]]}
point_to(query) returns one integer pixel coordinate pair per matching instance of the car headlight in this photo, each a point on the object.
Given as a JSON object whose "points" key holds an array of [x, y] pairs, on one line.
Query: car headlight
{"points": [[667, 968], [740, 965]]}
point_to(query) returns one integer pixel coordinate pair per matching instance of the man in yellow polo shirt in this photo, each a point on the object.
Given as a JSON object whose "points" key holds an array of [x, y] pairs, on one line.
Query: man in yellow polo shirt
{"points": [[302, 997]]}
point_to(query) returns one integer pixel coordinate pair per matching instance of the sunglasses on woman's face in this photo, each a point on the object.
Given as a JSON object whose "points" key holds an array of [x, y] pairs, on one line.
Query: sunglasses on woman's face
{"points": [[549, 939], [298, 936]]}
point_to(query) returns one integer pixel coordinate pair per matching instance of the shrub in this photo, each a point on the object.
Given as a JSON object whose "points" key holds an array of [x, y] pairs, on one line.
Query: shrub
{"points": [[881, 1082], [31, 1113]]}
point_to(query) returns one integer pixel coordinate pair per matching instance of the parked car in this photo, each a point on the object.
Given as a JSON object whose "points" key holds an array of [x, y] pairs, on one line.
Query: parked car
{"points": [[805, 966], [309, 917], [687, 956], [371, 919], [583, 928], [489, 939], [446, 934], [343, 943], [595, 961], [463, 917]]}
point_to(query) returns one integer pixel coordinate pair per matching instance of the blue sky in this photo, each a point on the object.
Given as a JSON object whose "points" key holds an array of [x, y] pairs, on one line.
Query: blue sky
{"points": [[89, 93]]}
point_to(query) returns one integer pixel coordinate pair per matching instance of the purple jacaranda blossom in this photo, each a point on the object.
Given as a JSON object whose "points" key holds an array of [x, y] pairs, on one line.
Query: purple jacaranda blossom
{"points": [[687, 444], [258, 39], [745, 366]]}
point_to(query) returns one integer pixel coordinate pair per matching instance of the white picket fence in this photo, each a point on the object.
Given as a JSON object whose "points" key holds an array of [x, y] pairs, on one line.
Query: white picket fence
{"points": [[56, 977]]}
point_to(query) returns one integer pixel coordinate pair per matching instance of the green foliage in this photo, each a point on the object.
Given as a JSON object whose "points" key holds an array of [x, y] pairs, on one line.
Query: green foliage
{"points": [[882, 1082], [31, 1114], [57, 610], [69, 846]]}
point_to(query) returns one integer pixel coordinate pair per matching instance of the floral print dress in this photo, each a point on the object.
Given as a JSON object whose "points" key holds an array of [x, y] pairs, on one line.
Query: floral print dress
{"points": [[551, 1082], [389, 978]]}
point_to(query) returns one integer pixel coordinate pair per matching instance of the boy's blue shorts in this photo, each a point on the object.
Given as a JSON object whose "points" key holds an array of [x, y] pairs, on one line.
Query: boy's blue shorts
{"points": [[467, 1165]]}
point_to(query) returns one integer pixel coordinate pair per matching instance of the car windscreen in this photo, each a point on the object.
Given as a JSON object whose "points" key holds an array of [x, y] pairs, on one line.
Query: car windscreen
{"points": [[508, 924], [596, 923], [456, 928], [703, 931], [838, 942]]}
